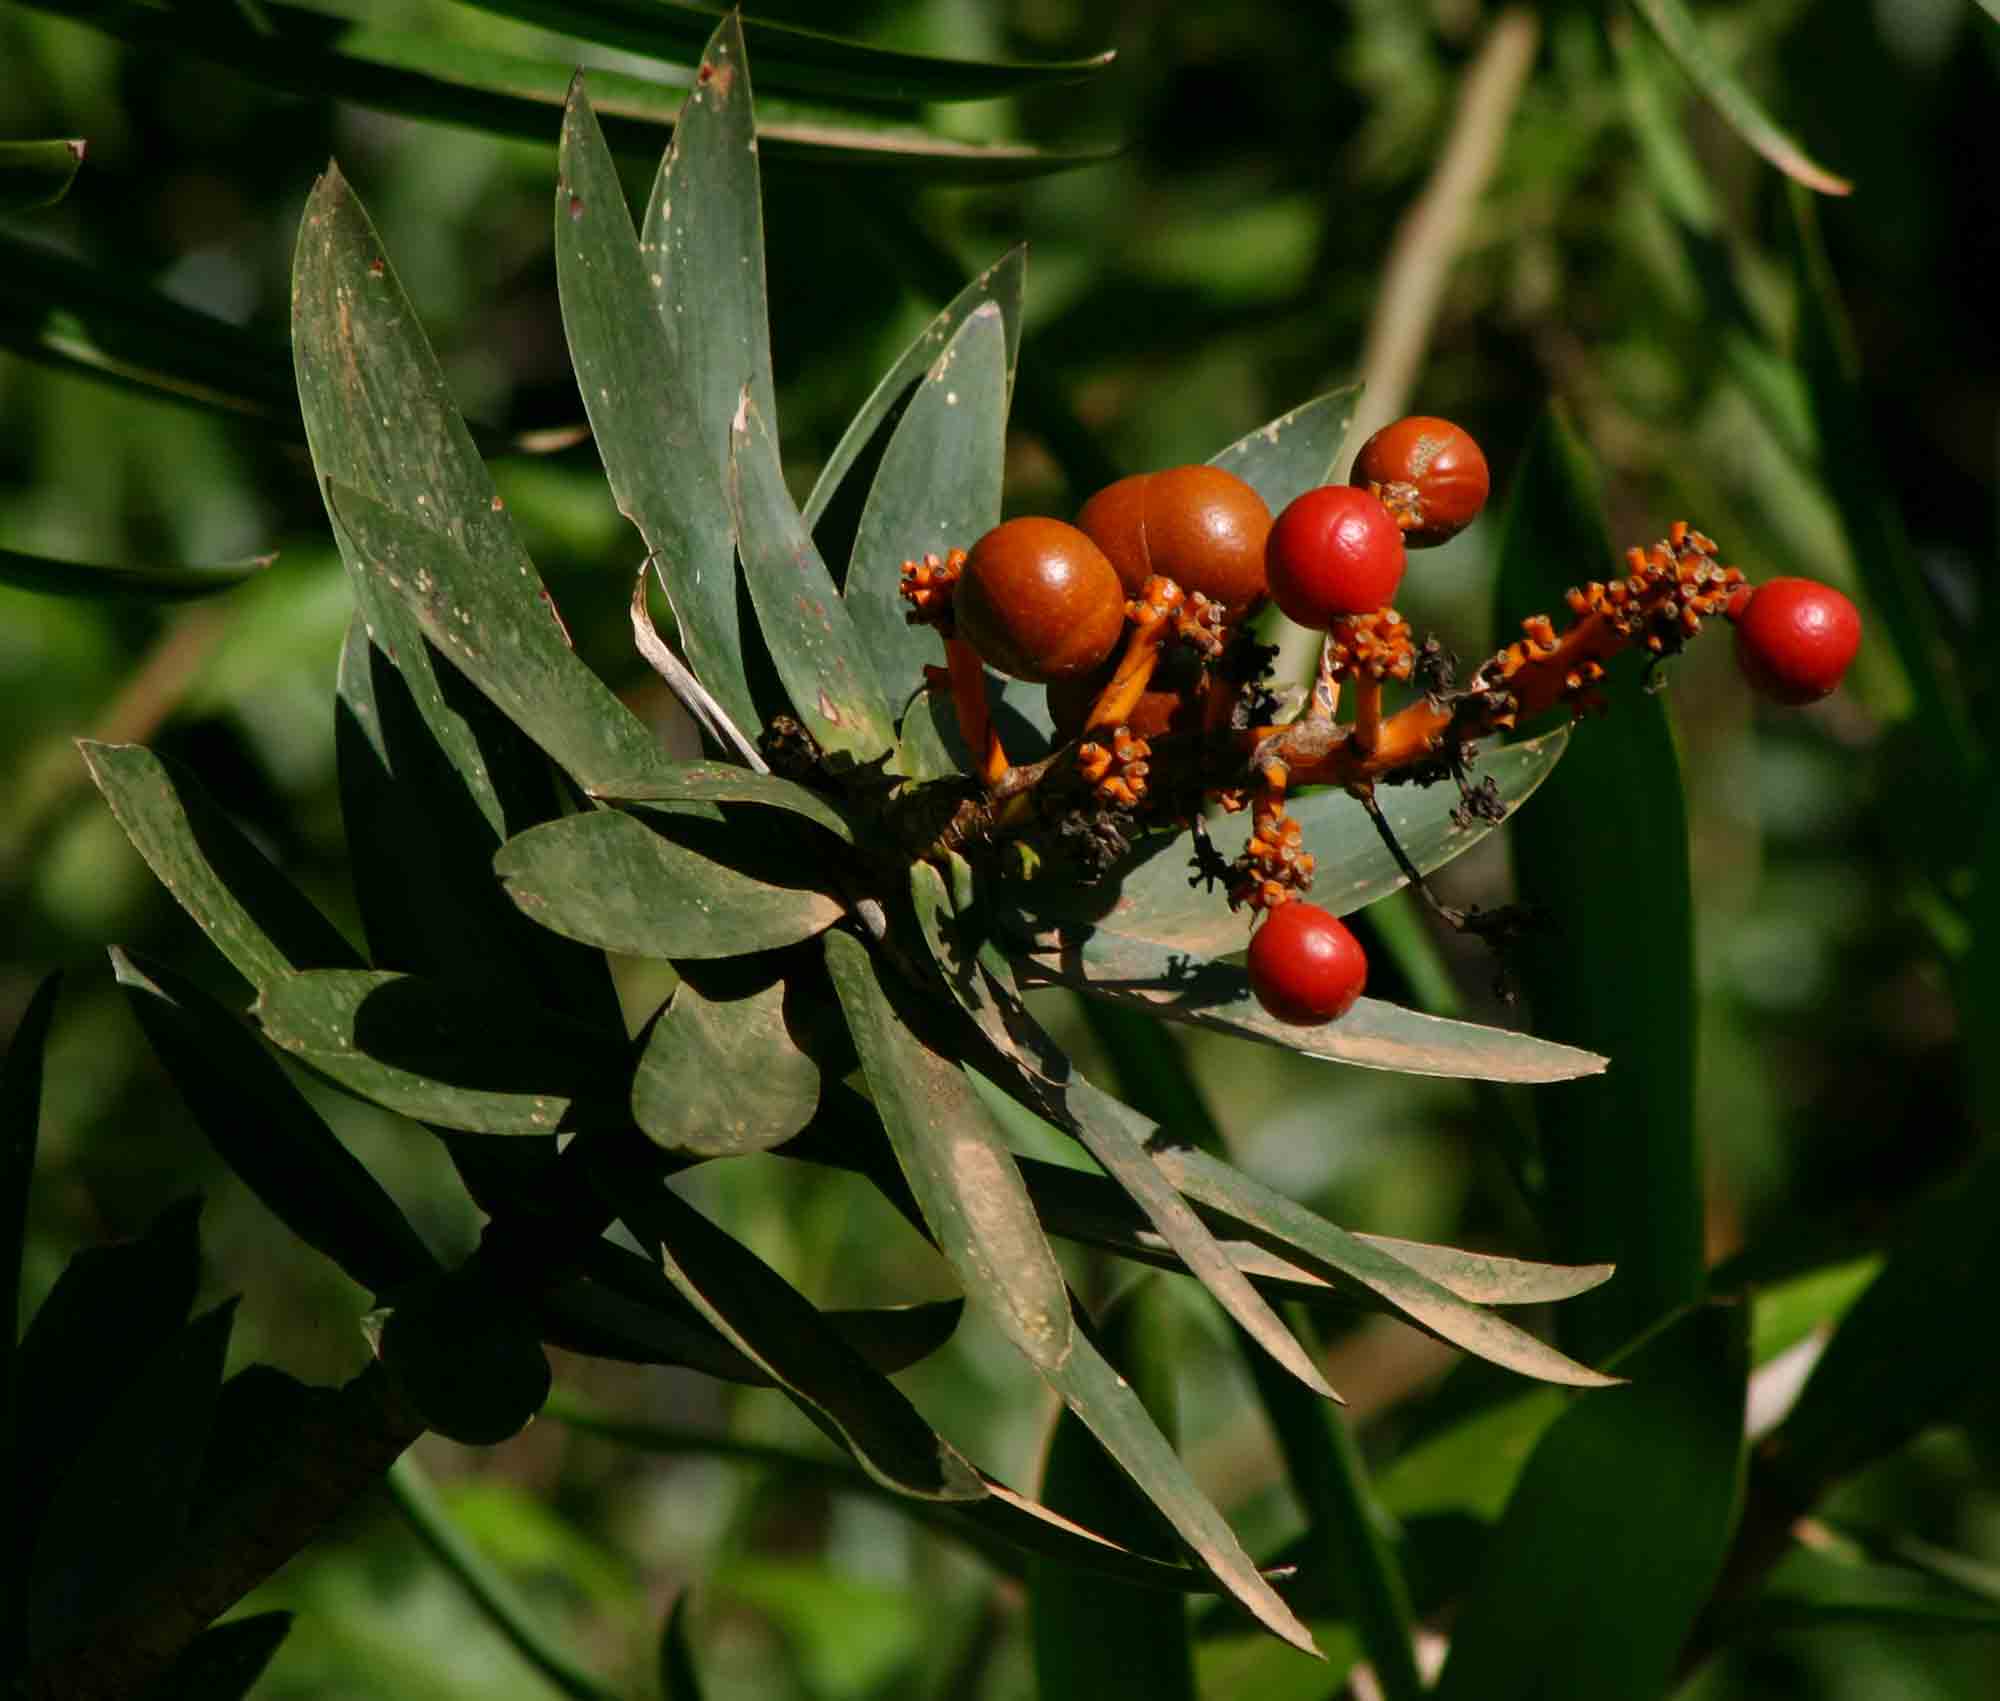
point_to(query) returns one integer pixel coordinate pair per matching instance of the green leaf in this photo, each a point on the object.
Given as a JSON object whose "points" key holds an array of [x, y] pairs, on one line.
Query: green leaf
{"points": [[794, 58], [955, 1162], [1296, 452], [625, 311], [1877, 539], [813, 639], [120, 1507], [1002, 283], [1471, 1466], [1811, 1590], [464, 1354], [20, 1130], [94, 579], [254, 916], [1104, 1641], [267, 1132], [721, 1077], [484, 1061], [1114, 1414], [496, 1597], [381, 422], [1897, 1362], [667, 887], [37, 174], [1681, 35], [1487, 1279], [678, 1678], [1117, 1136], [1616, 1531], [224, 1661], [421, 847], [719, 782], [1148, 897], [111, 1310], [1624, 1176], [451, 80], [937, 489], [1268, 1216], [1169, 983], [766, 1319], [489, 615]]}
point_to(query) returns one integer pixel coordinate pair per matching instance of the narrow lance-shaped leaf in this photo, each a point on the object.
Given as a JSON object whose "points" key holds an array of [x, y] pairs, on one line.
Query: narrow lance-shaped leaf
{"points": [[764, 1317], [1003, 284], [442, 1053], [956, 1163], [122, 1503], [224, 1661], [1614, 1534], [795, 58], [20, 1130], [826, 668], [678, 1679], [37, 174], [937, 489], [100, 579], [489, 615], [268, 1134], [1113, 1133], [1147, 896], [444, 77], [1267, 1215], [1620, 1150], [721, 782], [254, 916], [1372, 1035], [672, 888], [666, 459], [1296, 452], [1681, 35]]}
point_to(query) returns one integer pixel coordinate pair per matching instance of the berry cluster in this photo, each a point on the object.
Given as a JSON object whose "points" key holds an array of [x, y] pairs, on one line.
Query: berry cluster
{"points": [[1134, 618]]}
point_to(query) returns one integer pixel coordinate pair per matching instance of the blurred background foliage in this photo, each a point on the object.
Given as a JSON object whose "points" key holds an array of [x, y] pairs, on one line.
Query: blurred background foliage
{"points": [[1627, 257]]}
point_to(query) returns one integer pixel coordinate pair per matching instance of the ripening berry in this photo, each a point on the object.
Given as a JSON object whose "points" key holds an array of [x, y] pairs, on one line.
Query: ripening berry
{"points": [[1038, 600], [1305, 967], [1430, 475], [1794, 639], [1334, 552], [1201, 527]]}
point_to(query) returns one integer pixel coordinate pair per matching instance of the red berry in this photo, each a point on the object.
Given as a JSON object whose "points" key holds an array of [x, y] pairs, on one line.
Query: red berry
{"points": [[1038, 600], [1334, 552], [1794, 639], [1430, 475], [1201, 527], [1305, 967]]}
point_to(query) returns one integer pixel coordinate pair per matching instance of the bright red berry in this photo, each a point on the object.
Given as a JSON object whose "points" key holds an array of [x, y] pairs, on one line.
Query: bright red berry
{"points": [[1039, 600], [1334, 552], [1795, 639], [1305, 967], [1430, 475]]}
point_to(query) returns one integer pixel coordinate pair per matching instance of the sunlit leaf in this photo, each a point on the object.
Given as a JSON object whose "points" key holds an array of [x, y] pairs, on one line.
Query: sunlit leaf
{"points": [[252, 914], [1296, 452], [937, 489], [667, 887], [719, 782], [1148, 896], [449, 1055], [1681, 35], [1002, 283], [1269, 1216], [720, 1077], [959, 1168]]}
